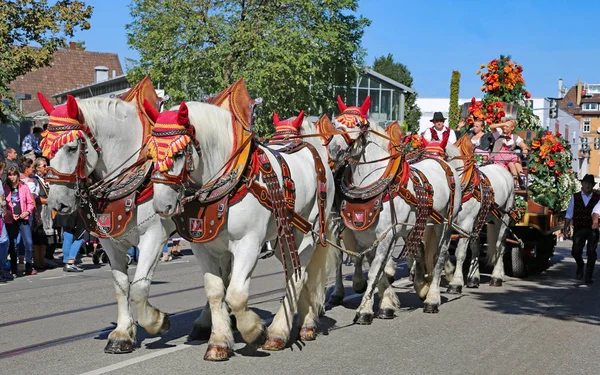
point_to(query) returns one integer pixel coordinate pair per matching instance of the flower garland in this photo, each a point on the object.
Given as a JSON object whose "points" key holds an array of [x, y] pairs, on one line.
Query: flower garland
{"points": [[413, 143], [488, 110], [503, 82], [552, 179]]}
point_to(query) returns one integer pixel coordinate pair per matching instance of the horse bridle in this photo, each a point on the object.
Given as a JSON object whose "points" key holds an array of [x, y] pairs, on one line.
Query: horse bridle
{"points": [[77, 178], [183, 177]]}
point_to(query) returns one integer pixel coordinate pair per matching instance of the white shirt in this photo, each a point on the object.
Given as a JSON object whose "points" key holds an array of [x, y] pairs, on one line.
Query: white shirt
{"points": [[586, 200], [508, 142], [440, 134]]}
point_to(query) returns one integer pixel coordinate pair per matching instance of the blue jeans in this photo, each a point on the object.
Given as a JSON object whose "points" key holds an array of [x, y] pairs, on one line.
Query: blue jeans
{"points": [[23, 228], [3, 247], [70, 246]]}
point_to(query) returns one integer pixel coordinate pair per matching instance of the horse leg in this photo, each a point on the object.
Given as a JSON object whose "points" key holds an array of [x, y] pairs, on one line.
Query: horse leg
{"points": [[297, 298], [122, 338], [220, 342], [420, 283], [311, 297], [433, 300], [389, 299], [245, 255], [337, 297], [497, 237], [457, 282], [150, 318], [359, 283], [364, 313], [473, 276]]}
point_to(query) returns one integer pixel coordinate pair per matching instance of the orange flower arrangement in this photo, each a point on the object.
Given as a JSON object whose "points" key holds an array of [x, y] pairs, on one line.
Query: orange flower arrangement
{"points": [[504, 79]]}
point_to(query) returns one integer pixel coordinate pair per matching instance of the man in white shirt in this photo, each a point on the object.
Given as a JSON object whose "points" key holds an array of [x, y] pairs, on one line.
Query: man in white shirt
{"points": [[438, 131], [583, 211]]}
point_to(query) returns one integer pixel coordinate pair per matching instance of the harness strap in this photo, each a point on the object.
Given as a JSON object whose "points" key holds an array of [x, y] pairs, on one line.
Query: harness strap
{"points": [[281, 211], [485, 195], [451, 184]]}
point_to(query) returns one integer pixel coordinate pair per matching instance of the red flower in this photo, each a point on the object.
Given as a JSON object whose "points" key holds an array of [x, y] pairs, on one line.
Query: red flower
{"points": [[499, 104], [551, 163], [558, 134]]}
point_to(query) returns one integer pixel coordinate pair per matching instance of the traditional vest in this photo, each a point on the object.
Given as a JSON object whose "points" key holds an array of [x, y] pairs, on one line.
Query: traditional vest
{"points": [[434, 135], [500, 142], [582, 214]]}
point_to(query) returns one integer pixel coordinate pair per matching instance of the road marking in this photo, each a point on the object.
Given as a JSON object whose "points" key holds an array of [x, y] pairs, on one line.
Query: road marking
{"points": [[139, 359], [57, 277]]}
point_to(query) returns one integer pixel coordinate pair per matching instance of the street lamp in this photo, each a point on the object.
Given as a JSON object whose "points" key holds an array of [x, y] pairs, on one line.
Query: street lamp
{"points": [[20, 98]]}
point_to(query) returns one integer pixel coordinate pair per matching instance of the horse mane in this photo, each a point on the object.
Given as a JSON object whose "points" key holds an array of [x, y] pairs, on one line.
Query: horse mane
{"points": [[214, 132], [383, 142], [95, 110], [308, 127]]}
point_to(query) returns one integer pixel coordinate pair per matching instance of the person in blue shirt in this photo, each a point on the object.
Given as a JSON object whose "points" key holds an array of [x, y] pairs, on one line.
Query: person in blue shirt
{"points": [[31, 143]]}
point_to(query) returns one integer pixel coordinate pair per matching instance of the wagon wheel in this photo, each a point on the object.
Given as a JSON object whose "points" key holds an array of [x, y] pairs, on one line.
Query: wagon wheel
{"points": [[517, 263]]}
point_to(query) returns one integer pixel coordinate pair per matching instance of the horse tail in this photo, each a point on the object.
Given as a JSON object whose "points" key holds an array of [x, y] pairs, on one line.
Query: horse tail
{"points": [[319, 267]]}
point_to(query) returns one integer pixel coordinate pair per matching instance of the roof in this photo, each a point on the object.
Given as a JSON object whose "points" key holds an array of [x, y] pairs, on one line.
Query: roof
{"points": [[389, 81], [74, 91], [70, 68]]}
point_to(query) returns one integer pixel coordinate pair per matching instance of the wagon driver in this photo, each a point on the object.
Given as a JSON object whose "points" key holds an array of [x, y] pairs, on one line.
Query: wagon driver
{"points": [[584, 211]]}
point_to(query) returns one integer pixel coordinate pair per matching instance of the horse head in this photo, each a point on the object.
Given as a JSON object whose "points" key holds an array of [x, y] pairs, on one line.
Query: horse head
{"points": [[73, 152], [175, 152], [351, 126], [287, 128]]}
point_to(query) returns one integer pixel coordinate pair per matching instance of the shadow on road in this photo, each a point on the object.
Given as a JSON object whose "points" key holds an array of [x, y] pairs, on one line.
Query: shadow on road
{"points": [[554, 294]]}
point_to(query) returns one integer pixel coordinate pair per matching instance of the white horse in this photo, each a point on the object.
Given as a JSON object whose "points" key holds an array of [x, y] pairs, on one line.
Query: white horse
{"points": [[227, 262], [118, 130], [502, 185], [365, 147]]}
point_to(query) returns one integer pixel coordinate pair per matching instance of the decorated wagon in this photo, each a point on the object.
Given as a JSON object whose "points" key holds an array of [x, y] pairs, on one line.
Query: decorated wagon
{"points": [[540, 206]]}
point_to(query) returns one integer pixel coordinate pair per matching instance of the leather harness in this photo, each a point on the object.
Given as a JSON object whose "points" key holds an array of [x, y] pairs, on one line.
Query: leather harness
{"points": [[112, 201]]}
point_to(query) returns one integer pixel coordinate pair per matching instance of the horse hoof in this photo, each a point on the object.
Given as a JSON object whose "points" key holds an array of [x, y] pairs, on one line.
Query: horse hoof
{"points": [[166, 325], [386, 314], [363, 318], [495, 282], [454, 289], [359, 287], [199, 334], [336, 300], [118, 347], [217, 353], [473, 283], [274, 343], [430, 308], [308, 334]]}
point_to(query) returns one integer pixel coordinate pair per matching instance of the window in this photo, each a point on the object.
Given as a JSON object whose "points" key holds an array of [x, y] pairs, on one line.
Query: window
{"points": [[589, 106], [586, 125]]}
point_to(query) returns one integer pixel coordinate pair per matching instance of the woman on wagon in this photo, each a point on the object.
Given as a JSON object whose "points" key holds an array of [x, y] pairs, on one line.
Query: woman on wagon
{"points": [[504, 150], [482, 141]]}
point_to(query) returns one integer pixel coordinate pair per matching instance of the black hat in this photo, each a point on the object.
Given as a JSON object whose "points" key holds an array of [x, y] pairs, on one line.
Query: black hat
{"points": [[589, 178], [438, 116]]}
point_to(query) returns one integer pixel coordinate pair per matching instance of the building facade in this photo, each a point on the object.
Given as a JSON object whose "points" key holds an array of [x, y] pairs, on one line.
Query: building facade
{"points": [[387, 96], [582, 101]]}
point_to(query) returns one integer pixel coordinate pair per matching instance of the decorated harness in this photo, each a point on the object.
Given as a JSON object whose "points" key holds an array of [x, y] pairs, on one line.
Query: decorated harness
{"points": [[359, 207], [108, 204], [206, 206]]}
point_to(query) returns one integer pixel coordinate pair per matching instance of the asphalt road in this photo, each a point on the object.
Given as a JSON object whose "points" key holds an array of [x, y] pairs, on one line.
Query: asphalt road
{"points": [[57, 323]]}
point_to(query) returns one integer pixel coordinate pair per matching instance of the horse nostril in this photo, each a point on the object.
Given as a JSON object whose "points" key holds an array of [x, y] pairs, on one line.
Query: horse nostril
{"points": [[168, 207], [63, 207]]}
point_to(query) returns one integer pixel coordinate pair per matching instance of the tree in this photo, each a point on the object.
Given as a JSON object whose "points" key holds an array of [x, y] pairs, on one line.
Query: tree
{"points": [[290, 52], [453, 113], [30, 34], [399, 72]]}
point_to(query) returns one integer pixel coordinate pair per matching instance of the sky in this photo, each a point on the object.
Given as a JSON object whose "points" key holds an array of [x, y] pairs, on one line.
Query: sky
{"points": [[552, 39]]}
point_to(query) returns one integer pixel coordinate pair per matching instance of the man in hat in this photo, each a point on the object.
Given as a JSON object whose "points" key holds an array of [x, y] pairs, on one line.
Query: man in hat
{"points": [[583, 211], [439, 131]]}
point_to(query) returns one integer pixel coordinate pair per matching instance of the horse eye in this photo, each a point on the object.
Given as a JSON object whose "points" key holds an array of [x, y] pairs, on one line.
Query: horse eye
{"points": [[179, 154], [71, 149]]}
